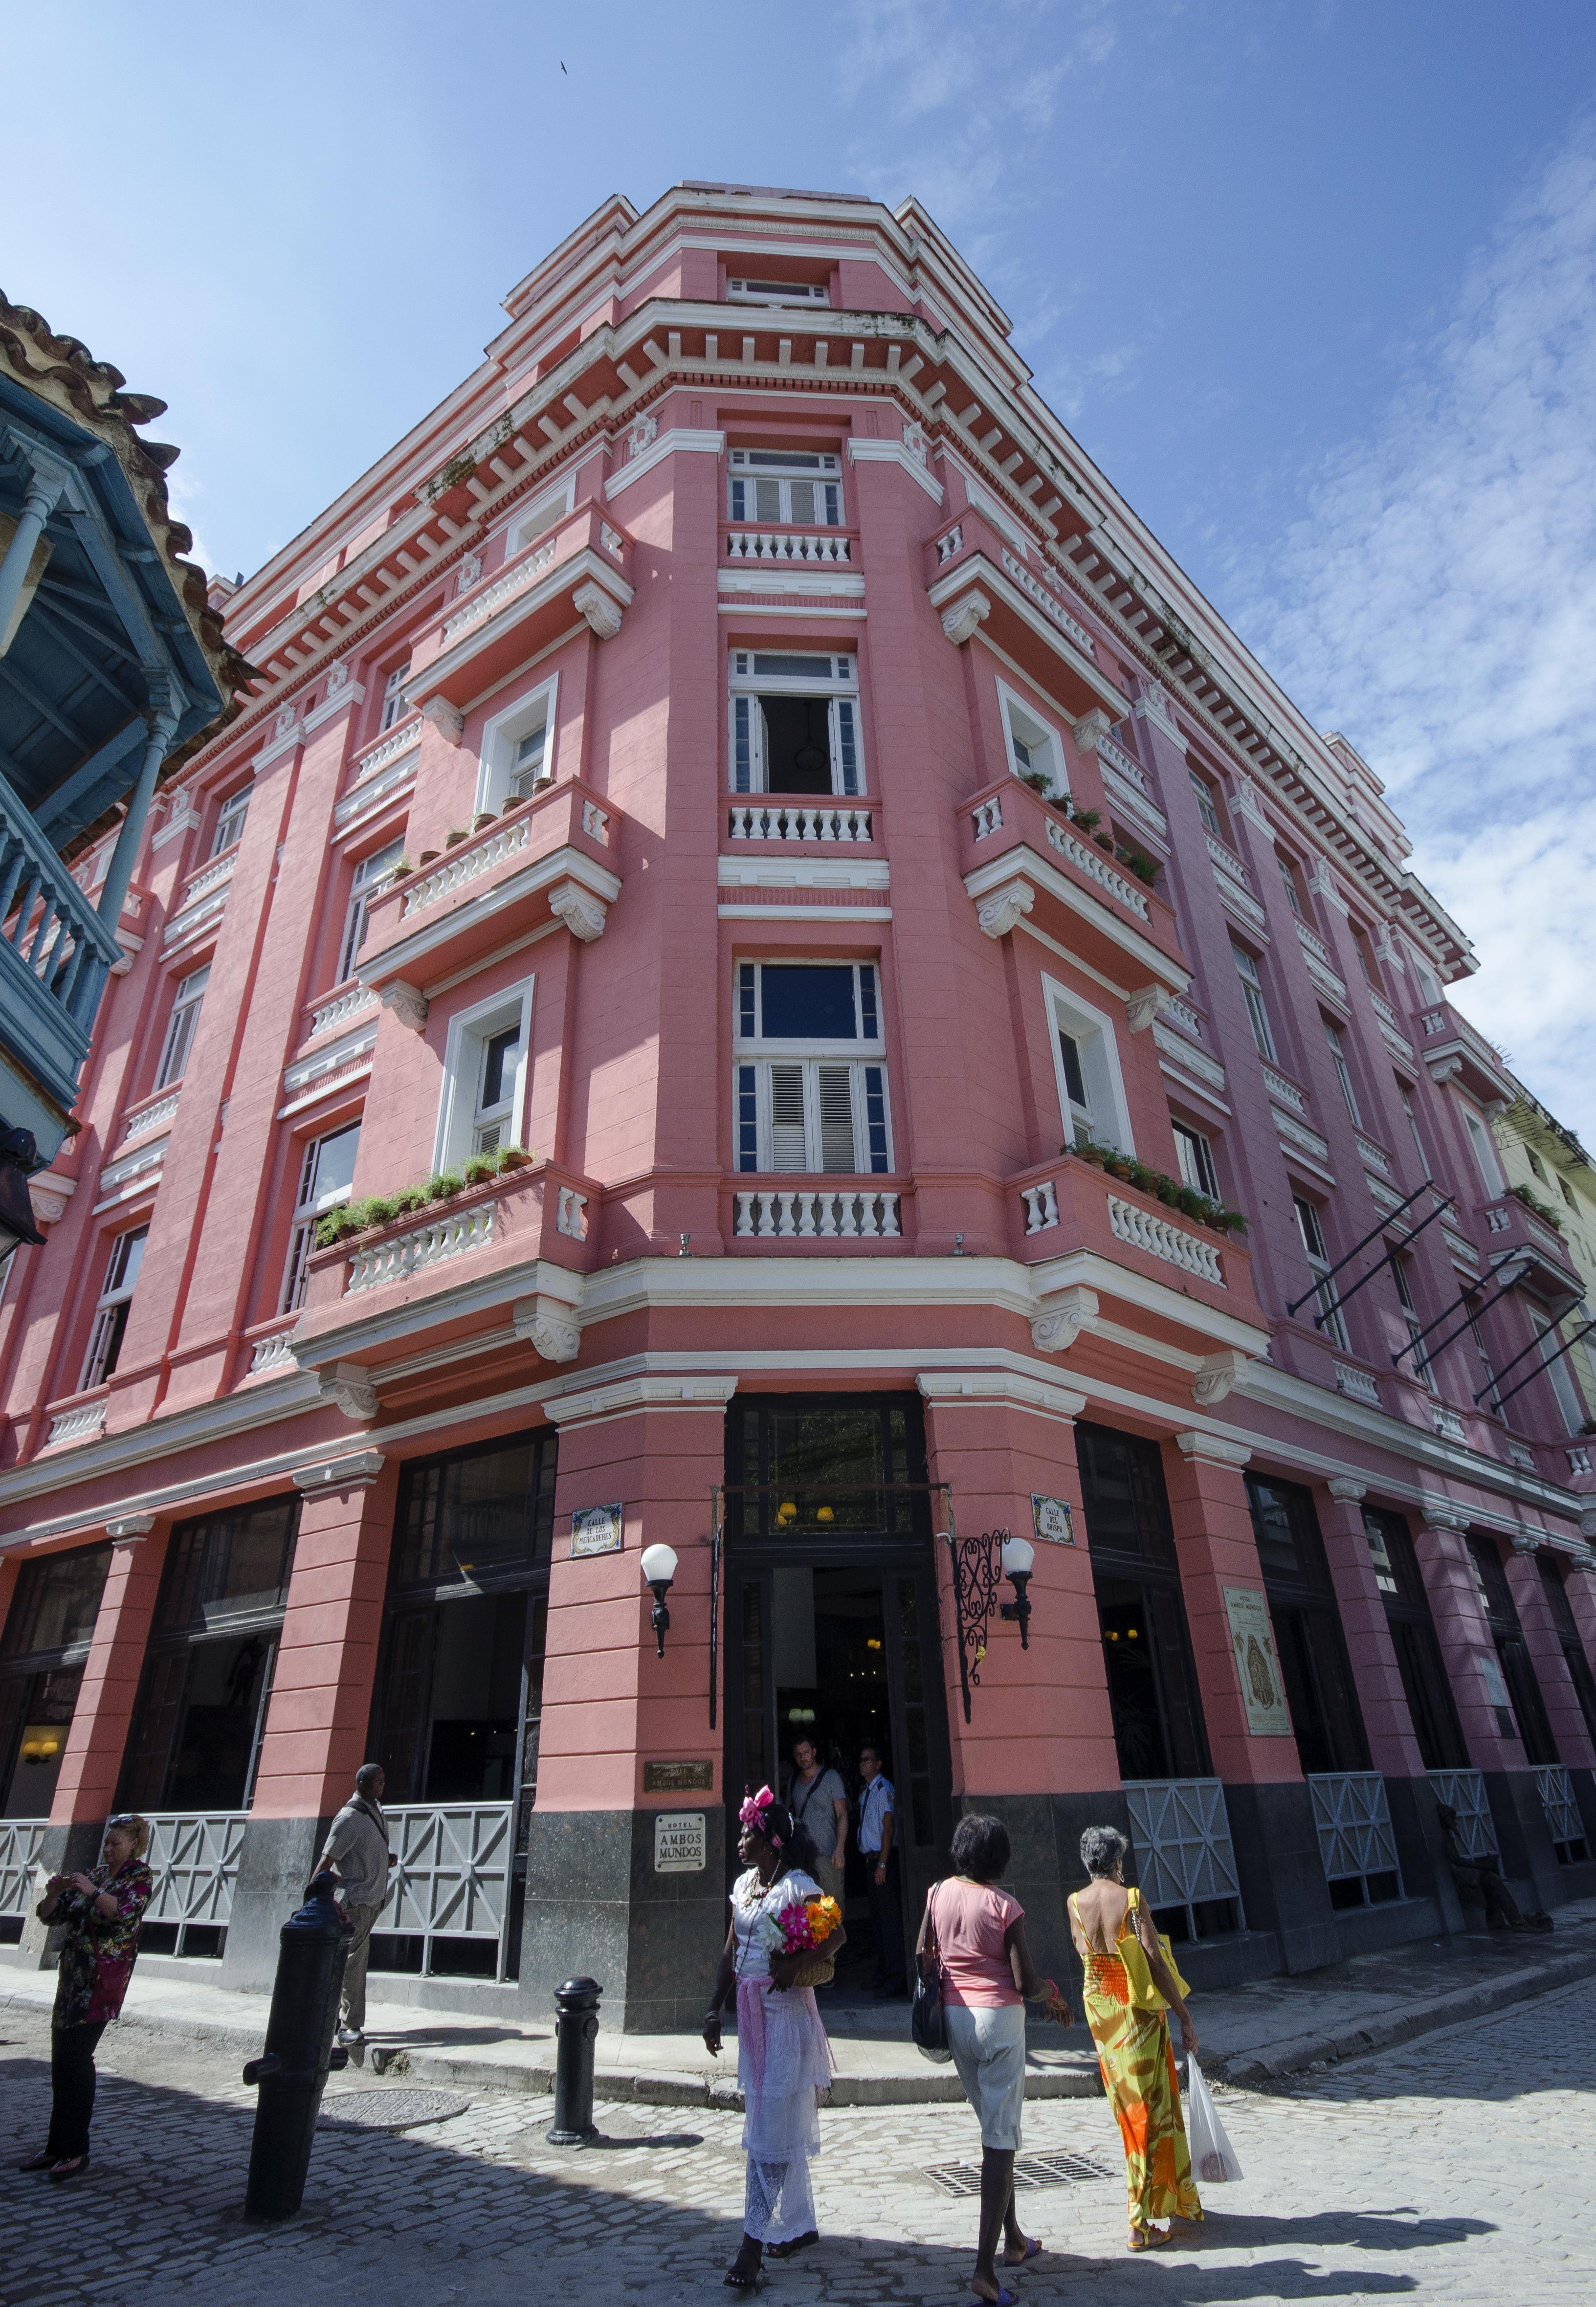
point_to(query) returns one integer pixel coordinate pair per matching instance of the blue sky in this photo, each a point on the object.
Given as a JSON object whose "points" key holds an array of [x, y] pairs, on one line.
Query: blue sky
{"points": [[1312, 281]]}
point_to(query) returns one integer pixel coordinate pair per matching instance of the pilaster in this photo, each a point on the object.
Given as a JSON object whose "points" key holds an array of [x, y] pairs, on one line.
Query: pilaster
{"points": [[1392, 1749], [1442, 1547], [86, 1789], [1570, 1736]]}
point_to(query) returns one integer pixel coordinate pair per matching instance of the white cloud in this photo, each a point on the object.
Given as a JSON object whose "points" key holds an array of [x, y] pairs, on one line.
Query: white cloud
{"points": [[1438, 603]]}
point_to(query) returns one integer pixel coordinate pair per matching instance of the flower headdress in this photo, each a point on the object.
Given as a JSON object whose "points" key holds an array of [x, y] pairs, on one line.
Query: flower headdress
{"points": [[755, 1813]]}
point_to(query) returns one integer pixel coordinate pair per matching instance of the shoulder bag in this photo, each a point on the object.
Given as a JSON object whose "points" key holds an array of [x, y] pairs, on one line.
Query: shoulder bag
{"points": [[928, 2018], [1144, 1994]]}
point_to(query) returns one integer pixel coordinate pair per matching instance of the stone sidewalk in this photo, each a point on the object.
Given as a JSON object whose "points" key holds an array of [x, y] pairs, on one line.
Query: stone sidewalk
{"points": [[1252, 2035]]}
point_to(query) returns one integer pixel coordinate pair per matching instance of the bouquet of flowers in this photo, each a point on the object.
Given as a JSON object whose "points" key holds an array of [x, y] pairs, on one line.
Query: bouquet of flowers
{"points": [[803, 1928]]}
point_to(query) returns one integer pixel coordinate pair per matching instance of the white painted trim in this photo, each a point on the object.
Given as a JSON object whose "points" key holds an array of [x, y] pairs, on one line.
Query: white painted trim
{"points": [[803, 873], [804, 913], [985, 1389], [978, 573], [893, 452], [1007, 697], [779, 608], [1099, 1023], [791, 578], [562, 863], [679, 436], [1119, 992], [463, 1037], [1024, 863], [500, 733]]}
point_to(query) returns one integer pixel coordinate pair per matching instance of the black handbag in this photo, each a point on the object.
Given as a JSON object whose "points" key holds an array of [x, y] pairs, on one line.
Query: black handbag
{"points": [[928, 2017]]}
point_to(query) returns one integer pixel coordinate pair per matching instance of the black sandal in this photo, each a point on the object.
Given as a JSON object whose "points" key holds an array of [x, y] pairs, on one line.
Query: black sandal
{"points": [[39, 2162], [69, 2166], [786, 2249], [737, 2278]]}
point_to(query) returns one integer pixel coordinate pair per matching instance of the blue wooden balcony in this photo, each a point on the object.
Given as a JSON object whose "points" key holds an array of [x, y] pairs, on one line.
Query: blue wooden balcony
{"points": [[55, 954]]}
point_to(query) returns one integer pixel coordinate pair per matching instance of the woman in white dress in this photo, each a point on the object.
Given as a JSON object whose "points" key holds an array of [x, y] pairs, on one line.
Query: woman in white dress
{"points": [[783, 2060]]}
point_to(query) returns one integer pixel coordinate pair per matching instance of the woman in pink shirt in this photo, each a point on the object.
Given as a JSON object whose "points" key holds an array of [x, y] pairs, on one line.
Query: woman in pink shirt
{"points": [[977, 1934]]}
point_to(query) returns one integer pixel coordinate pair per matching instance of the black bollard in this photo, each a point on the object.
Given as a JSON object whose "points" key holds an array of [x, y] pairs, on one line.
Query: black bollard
{"points": [[575, 2030], [299, 2053]]}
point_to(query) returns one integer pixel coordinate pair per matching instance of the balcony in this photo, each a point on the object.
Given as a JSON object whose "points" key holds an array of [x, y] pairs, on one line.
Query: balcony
{"points": [[1071, 1205], [836, 1211], [976, 576], [775, 818], [547, 859], [576, 574], [1021, 856], [55, 956], [1509, 1229], [1454, 1051]]}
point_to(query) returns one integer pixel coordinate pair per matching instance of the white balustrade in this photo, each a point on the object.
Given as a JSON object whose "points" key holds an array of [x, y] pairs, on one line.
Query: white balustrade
{"points": [[339, 1011], [1357, 1384], [1158, 1239], [452, 1878], [22, 1843], [1464, 1791], [1518, 1455], [596, 822], [1381, 1006], [947, 546], [784, 820], [376, 757], [1434, 1021], [1374, 1157], [823, 1214], [987, 817], [1042, 1205], [1312, 943], [570, 1213], [147, 1118], [504, 589], [1044, 600], [1447, 1422], [1182, 1829], [781, 545], [1563, 1819], [1181, 1013], [276, 1353], [1227, 861], [419, 1246], [1353, 1819], [1126, 764], [1285, 1091], [195, 1857], [1498, 1221], [1096, 868], [209, 876], [467, 865], [77, 1425], [1579, 1460]]}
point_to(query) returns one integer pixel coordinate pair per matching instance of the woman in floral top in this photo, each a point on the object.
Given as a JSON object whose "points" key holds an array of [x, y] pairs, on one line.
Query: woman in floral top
{"points": [[102, 1911]]}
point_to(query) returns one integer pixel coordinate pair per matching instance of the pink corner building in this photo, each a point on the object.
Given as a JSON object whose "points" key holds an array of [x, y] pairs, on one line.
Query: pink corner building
{"points": [[762, 975]]}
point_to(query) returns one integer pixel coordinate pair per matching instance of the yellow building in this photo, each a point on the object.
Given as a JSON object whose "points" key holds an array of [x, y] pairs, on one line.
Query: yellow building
{"points": [[1553, 1175]]}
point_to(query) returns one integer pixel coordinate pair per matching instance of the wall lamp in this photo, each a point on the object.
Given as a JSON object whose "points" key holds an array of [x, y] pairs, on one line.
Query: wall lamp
{"points": [[1019, 1556], [659, 1568], [18, 1157]]}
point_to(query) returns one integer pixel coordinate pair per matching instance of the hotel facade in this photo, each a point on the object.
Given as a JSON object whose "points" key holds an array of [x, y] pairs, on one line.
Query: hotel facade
{"points": [[759, 974]]}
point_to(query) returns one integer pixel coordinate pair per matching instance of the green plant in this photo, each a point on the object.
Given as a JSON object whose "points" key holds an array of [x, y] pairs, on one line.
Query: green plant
{"points": [[1038, 782], [444, 1185], [1532, 1201], [1173, 1192], [479, 1169], [381, 1209], [1087, 820]]}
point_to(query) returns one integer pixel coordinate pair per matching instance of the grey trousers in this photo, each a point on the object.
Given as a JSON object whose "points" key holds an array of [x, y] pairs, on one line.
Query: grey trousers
{"points": [[353, 2000]]}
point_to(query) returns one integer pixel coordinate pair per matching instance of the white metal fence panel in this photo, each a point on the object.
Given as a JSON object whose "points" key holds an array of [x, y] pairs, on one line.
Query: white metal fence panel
{"points": [[1563, 1819], [1353, 1819], [452, 1879], [1182, 1835], [194, 1857], [1464, 1791], [21, 1841]]}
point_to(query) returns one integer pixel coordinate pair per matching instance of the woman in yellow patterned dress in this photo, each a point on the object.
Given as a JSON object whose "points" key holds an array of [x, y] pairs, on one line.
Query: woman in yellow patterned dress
{"points": [[1133, 2044]]}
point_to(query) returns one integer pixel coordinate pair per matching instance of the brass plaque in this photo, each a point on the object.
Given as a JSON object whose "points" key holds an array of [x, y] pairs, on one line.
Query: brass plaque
{"points": [[678, 1777]]}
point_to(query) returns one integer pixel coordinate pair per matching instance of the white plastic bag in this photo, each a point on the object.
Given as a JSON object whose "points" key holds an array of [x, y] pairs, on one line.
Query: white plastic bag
{"points": [[1212, 2157]]}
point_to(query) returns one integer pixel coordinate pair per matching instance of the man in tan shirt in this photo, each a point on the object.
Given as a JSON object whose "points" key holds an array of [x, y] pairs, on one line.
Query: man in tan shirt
{"points": [[358, 1851]]}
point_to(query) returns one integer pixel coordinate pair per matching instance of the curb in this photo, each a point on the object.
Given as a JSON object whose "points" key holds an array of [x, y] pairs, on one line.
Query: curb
{"points": [[1481, 2002]]}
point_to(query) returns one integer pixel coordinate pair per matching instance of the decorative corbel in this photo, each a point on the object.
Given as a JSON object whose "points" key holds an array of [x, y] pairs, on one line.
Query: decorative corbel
{"points": [[1064, 1316], [1443, 1070], [1217, 1376], [583, 914], [549, 1325], [408, 1003], [447, 719], [1000, 912], [357, 1471], [347, 1386], [960, 622], [1348, 1492], [50, 1196], [1089, 728], [601, 610], [130, 1530], [1145, 1007]]}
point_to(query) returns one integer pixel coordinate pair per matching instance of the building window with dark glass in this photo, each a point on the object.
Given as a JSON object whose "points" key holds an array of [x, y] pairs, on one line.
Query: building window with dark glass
{"points": [[179, 1040], [1195, 1155], [1325, 1716], [42, 1652], [1311, 1234], [115, 1304], [1432, 1707], [795, 724], [1512, 1688], [810, 1077], [1252, 993]]}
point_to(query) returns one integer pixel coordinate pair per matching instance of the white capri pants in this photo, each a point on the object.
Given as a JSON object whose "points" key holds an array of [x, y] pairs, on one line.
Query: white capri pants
{"points": [[989, 2051]]}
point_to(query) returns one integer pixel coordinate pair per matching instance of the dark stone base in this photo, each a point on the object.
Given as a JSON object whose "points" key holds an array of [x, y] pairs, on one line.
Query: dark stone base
{"points": [[596, 1906], [275, 1867], [1529, 1863], [1585, 1795], [1369, 1930], [1421, 1854], [65, 1851], [1283, 1889]]}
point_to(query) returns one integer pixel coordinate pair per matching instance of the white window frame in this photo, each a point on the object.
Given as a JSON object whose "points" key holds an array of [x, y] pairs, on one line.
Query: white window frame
{"points": [[1409, 1314], [1024, 725], [535, 709], [1318, 1266], [780, 468], [372, 876], [543, 513], [1206, 1179], [177, 1043], [394, 707], [1555, 1362], [1207, 807], [1343, 1072], [110, 1312], [469, 1032], [834, 678], [1288, 874], [1484, 1149], [1257, 1006], [757, 1056], [1430, 991], [744, 291], [231, 818], [1106, 1115], [312, 1203], [1406, 1096]]}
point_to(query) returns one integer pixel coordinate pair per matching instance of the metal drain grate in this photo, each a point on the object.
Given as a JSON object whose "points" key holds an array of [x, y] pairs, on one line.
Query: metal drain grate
{"points": [[392, 2109], [1029, 2171]]}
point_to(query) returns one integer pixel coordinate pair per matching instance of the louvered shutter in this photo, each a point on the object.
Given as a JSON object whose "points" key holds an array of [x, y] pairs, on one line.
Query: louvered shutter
{"points": [[788, 1150], [837, 1154]]}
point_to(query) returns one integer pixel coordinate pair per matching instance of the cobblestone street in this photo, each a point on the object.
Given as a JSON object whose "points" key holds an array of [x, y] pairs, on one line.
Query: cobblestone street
{"points": [[1440, 2171]]}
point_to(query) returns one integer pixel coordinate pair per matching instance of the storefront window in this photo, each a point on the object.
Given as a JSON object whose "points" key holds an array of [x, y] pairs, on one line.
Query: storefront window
{"points": [[45, 1640], [1432, 1707], [820, 1465], [1314, 1666], [1158, 1723], [1524, 1715]]}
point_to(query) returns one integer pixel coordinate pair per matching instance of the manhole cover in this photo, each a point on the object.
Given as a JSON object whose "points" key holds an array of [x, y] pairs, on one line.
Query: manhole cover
{"points": [[1029, 2171], [387, 2110]]}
